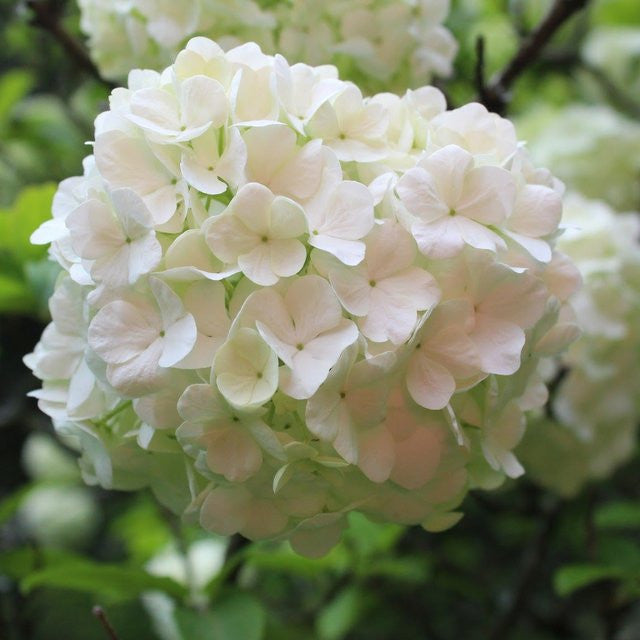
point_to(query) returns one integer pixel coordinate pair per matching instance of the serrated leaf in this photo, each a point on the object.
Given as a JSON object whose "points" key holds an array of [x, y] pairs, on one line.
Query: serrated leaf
{"points": [[570, 578], [111, 582], [237, 616]]}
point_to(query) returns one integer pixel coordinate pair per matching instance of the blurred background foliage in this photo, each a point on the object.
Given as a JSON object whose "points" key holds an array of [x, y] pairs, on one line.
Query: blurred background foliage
{"points": [[522, 564]]}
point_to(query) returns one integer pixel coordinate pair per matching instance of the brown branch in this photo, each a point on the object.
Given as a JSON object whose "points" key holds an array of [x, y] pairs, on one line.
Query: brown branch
{"points": [[237, 545], [100, 614], [496, 95], [47, 17]]}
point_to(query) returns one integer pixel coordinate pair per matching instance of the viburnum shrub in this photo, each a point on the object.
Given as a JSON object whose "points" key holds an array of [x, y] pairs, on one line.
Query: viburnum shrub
{"points": [[281, 301], [381, 43]]}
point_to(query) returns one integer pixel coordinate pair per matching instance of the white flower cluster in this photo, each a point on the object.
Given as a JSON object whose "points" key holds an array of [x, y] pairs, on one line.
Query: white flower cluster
{"points": [[282, 301], [594, 149], [615, 51], [596, 408], [378, 43]]}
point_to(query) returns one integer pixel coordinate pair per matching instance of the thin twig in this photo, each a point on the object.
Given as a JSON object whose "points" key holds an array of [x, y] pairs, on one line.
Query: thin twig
{"points": [[495, 96], [100, 614], [237, 544], [47, 17], [532, 561]]}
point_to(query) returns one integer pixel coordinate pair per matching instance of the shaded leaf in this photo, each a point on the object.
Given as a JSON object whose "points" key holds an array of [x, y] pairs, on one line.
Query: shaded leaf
{"points": [[237, 616], [341, 614], [624, 514], [109, 581], [570, 578]]}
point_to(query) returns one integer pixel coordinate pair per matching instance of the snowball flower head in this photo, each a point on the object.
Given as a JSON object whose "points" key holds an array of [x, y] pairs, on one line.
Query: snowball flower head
{"points": [[591, 424], [270, 325], [379, 43]]}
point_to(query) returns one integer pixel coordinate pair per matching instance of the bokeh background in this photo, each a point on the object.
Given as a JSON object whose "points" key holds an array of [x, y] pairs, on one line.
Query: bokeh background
{"points": [[531, 560]]}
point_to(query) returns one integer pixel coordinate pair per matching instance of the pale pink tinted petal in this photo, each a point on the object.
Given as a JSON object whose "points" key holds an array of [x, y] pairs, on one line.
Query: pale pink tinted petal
{"points": [[439, 239], [224, 510], [537, 212], [121, 320], [489, 194], [417, 458], [477, 235], [203, 101], [178, 340], [419, 194], [287, 257], [256, 265], [429, 383], [313, 306], [233, 453], [352, 288], [448, 167], [376, 454], [350, 252], [140, 374], [498, 343]]}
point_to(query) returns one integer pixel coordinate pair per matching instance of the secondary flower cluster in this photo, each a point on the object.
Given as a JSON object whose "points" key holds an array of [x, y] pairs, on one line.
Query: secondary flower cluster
{"points": [[567, 140], [282, 301], [378, 43], [592, 424]]}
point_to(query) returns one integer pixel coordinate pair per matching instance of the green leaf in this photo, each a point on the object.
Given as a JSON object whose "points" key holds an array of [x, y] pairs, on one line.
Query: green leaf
{"points": [[619, 551], [111, 582], [572, 577], [14, 85], [341, 614], [15, 295], [237, 616], [619, 12], [370, 537], [284, 560], [624, 514], [30, 209]]}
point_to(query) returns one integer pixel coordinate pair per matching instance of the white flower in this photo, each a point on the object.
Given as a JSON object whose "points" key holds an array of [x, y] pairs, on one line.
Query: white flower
{"points": [[442, 354], [339, 216], [305, 328], [348, 410], [209, 170], [230, 439], [385, 290], [454, 202], [118, 241], [259, 232], [205, 301], [246, 369], [126, 161], [276, 161], [352, 128], [137, 338], [281, 302]]}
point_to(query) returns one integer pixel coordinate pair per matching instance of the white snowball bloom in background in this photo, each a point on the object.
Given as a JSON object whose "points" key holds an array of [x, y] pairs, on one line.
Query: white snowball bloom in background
{"points": [[566, 140], [591, 425], [377, 43], [282, 301]]}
